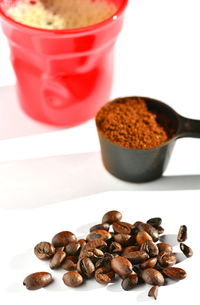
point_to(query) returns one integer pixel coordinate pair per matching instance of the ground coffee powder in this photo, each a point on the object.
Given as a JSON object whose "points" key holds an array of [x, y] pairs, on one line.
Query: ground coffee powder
{"points": [[130, 124]]}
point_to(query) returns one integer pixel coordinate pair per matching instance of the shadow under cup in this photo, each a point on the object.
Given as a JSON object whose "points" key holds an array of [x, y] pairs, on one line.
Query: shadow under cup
{"points": [[143, 165], [63, 76]]}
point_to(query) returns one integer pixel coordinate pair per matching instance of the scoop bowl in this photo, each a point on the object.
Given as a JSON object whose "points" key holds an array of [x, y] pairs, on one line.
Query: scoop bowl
{"points": [[143, 165]]}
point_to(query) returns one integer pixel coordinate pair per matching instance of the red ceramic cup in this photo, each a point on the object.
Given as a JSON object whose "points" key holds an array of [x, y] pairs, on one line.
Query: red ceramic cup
{"points": [[63, 76]]}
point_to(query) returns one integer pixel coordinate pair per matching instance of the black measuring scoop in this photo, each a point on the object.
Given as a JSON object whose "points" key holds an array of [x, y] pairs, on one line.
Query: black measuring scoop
{"points": [[143, 165]]}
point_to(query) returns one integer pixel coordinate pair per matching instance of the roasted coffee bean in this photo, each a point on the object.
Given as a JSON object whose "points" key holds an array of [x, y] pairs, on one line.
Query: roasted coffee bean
{"points": [[166, 259], [150, 263], [86, 267], [72, 279], [112, 216], [101, 226], [44, 250], [153, 292], [142, 237], [163, 247], [37, 280], [155, 222], [182, 234], [99, 234], [82, 243], [123, 239], [130, 249], [153, 277], [73, 249], [153, 232], [134, 231], [187, 251], [137, 257], [104, 275], [98, 243], [69, 263], [160, 230], [130, 281], [115, 247], [57, 259], [63, 238], [59, 249], [121, 265], [138, 271], [94, 254], [150, 248], [122, 227], [174, 273], [104, 261]]}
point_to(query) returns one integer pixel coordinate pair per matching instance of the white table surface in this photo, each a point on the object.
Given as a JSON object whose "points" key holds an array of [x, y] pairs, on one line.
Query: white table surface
{"points": [[52, 179]]}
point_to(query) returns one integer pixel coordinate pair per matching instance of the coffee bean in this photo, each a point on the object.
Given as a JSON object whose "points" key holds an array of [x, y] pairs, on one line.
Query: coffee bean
{"points": [[160, 230], [112, 216], [122, 227], [155, 222], [130, 281], [57, 259], [174, 273], [73, 248], [142, 237], [94, 254], [138, 271], [98, 243], [130, 249], [82, 243], [59, 249], [137, 257], [101, 226], [153, 277], [72, 279], [150, 248], [104, 275], [153, 292], [98, 234], [69, 263], [44, 250], [141, 226], [104, 261], [163, 247], [123, 239], [187, 251], [115, 247], [63, 238], [37, 280], [86, 267], [121, 265], [166, 259], [150, 263], [182, 234]]}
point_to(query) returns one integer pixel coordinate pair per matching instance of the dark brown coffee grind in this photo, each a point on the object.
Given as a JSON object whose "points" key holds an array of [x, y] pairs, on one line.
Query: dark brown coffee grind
{"points": [[130, 124]]}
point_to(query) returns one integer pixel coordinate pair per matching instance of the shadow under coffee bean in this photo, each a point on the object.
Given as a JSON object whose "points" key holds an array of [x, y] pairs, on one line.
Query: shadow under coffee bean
{"points": [[113, 251]]}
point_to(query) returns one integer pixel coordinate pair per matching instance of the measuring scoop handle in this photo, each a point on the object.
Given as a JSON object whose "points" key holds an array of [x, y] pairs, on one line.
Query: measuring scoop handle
{"points": [[189, 128]]}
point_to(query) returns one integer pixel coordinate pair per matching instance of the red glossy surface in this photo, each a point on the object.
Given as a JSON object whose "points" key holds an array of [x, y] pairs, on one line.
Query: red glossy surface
{"points": [[63, 76]]}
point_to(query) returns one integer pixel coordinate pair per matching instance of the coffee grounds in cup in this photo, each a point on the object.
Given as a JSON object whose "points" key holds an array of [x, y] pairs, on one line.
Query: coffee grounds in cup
{"points": [[129, 123]]}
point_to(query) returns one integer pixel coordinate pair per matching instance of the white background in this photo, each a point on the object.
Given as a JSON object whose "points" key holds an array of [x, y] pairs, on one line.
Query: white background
{"points": [[157, 55]]}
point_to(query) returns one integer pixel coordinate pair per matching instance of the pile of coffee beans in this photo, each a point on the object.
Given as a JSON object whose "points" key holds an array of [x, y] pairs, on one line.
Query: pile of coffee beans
{"points": [[112, 249]]}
